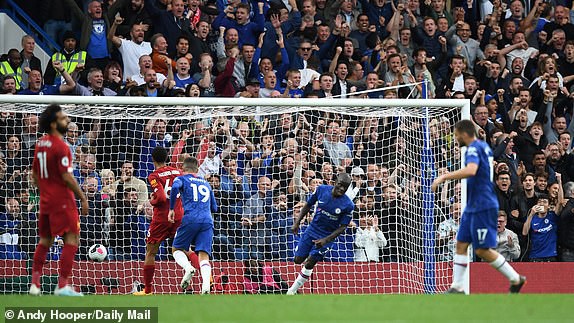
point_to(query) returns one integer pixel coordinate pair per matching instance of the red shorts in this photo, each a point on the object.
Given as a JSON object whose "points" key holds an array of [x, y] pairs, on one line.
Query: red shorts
{"points": [[58, 223], [161, 230]]}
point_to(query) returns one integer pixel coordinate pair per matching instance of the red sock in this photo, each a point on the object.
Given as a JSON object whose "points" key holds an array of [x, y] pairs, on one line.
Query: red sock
{"points": [[193, 259], [148, 271], [38, 264], [66, 264]]}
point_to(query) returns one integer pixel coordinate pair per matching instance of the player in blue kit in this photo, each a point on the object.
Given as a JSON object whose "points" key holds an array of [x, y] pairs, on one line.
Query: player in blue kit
{"points": [[479, 220], [332, 215], [197, 223]]}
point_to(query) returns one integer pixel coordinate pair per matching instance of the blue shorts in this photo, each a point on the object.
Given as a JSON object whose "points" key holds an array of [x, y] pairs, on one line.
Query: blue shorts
{"points": [[479, 228], [306, 248], [198, 234]]}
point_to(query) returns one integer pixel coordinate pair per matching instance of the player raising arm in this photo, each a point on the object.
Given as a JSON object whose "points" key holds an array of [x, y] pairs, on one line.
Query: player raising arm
{"points": [[52, 174], [479, 219], [197, 224], [332, 215], [160, 228]]}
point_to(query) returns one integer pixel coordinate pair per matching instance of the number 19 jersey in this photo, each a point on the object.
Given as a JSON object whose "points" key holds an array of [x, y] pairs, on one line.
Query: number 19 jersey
{"points": [[197, 197]]}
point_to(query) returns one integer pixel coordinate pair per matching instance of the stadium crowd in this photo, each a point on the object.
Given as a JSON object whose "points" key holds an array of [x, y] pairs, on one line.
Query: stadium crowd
{"points": [[513, 60]]}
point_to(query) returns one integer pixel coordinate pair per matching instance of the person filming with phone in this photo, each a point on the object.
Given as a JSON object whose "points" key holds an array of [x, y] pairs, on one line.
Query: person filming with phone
{"points": [[541, 227]]}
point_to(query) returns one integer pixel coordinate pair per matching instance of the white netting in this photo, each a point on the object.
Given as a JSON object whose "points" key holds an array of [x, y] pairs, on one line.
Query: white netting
{"points": [[295, 147]]}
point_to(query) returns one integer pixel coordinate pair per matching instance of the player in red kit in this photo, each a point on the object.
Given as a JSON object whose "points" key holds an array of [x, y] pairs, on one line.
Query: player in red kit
{"points": [[160, 228], [52, 174]]}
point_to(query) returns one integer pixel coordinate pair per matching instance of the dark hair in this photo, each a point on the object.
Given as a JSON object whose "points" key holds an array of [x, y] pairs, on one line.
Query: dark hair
{"points": [[465, 126], [502, 173], [47, 117], [542, 197], [159, 154]]}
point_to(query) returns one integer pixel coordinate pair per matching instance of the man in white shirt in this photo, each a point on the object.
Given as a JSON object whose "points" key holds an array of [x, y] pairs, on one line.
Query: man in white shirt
{"points": [[131, 50], [447, 231], [508, 245], [369, 239], [519, 48], [145, 63]]}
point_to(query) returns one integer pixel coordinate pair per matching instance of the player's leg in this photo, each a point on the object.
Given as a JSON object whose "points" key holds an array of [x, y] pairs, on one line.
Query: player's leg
{"points": [[484, 240], [460, 260], [42, 249], [181, 242], [151, 250], [203, 246], [71, 242], [305, 250], [40, 254]]}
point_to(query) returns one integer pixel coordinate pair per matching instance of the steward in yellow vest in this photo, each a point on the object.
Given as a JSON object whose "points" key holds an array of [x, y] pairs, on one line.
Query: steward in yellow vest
{"points": [[12, 67]]}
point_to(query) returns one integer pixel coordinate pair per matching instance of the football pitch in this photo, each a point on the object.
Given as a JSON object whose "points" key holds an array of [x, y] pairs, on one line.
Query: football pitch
{"points": [[328, 308]]}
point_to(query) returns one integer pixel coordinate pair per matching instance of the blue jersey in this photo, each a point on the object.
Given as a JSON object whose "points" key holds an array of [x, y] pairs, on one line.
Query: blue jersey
{"points": [[330, 212], [197, 198], [481, 195], [543, 236]]}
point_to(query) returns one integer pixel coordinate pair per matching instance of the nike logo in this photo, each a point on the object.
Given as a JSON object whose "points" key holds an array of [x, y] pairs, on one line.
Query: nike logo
{"points": [[320, 202]]}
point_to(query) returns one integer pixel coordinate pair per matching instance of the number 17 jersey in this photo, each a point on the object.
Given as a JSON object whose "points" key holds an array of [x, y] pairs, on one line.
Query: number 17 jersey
{"points": [[161, 181]]}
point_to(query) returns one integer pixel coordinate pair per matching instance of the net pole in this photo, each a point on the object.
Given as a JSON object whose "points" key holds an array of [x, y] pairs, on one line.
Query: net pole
{"points": [[463, 199], [427, 173]]}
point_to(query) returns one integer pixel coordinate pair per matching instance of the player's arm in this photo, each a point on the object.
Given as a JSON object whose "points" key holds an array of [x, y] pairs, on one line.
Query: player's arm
{"points": [[304, 210], [70, 181], [468, 171], [158, 194], [321, 242], [172, 199]]}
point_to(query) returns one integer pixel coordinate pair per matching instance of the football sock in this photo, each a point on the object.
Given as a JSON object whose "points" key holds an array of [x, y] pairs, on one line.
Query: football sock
{"points": [[148, 271], [38, 265], [181, 259], [66, 264], [302, 278], [205, 269], [192, 256], [459, 269], [505, 268]]}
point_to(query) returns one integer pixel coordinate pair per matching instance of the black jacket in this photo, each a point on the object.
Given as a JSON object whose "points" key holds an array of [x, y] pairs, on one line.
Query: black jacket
{"points": [[566, 226]]}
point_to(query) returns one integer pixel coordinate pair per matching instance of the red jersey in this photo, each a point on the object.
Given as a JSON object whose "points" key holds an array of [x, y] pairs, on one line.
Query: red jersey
{"points": [[52, 158], [160, 181]]}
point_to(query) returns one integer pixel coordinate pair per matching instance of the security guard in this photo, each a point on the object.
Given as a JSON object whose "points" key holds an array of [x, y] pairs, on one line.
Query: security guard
{"points": [[12, 67], [72, 60]]}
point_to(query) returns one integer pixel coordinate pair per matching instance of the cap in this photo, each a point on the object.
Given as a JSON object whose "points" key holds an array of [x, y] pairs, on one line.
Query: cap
{"points": [[357, 171], [488, 97], [68, 34], [252, 81]]}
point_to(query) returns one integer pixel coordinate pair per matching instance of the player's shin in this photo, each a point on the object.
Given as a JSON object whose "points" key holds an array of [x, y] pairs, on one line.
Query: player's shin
{"points": [[181, 259], [66, 264], [38, 265], [505, 268], [205, 269], [302, 278], [148, 273], [460, 264]]}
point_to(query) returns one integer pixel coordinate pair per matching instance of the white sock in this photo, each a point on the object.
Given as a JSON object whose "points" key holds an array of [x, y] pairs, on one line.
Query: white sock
{"points": [[205, 269], [302, 278], [181, 259], [460, 263], [505, 268]]}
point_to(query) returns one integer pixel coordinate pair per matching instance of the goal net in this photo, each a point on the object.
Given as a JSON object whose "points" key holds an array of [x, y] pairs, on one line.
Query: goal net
{"points": [[263, 159]]}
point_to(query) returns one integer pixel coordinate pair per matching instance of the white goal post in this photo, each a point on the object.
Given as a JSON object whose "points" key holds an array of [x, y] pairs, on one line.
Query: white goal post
{"points": [[393, 147]]}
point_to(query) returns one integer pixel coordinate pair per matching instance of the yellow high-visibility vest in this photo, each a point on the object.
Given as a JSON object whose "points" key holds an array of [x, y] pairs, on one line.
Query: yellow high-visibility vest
{"points": [[6, 69], [70, 66]]}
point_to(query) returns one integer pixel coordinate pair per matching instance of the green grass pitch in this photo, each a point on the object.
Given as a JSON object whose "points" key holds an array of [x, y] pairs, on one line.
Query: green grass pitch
{"points": [[329, 308]]}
